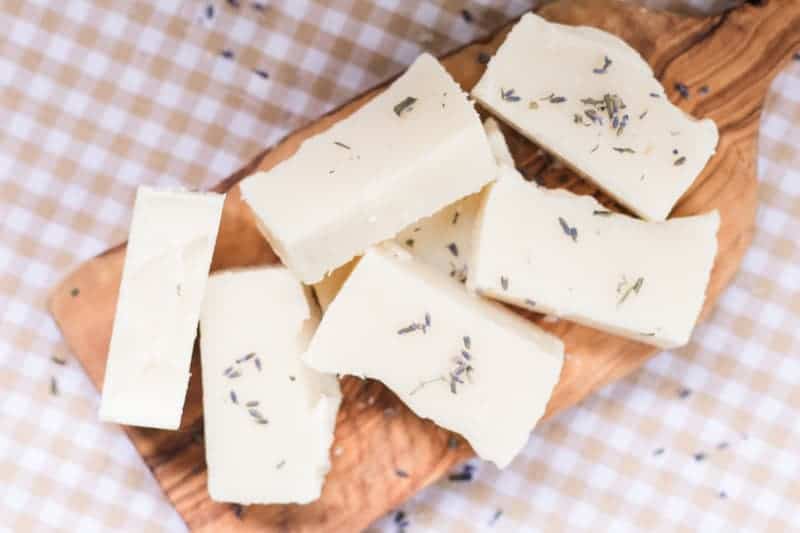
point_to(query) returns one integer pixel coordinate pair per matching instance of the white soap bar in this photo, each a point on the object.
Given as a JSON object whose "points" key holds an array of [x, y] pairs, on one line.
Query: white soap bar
{"points": [[410, 151], [269, 419], [468, 364], [589, 98], [169, 253], [566, 255], [444, 239]]}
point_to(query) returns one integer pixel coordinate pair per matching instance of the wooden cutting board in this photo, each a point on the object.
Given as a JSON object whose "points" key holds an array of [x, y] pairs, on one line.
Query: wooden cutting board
{"points": [[727, 62]]}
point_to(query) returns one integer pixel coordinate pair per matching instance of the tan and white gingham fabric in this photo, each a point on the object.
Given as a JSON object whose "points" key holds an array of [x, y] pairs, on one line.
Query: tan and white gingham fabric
{"points": [[98, 97]]}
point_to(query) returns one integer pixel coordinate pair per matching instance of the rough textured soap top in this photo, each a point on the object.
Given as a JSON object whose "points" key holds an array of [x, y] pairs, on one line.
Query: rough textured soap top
{"points": [[411, 150], [589, 98], [559, 253]]}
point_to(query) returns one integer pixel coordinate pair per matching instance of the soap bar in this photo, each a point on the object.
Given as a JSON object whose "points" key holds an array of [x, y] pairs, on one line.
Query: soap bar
{"points": [[167, 260], [269, 419], [444, 239], [408, 152], [590, 99], [566, 255], [468, 364]]}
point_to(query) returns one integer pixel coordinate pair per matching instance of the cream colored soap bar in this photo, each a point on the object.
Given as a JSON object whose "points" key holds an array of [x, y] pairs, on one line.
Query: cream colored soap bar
{"points": [[444, 239], [169, 252], [589, 98], [468, 364], [566, 255], [410, 151], [269, 419]]}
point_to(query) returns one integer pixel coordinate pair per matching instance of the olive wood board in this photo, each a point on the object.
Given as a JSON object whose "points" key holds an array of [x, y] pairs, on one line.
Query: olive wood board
{"points": [[726, 61]]}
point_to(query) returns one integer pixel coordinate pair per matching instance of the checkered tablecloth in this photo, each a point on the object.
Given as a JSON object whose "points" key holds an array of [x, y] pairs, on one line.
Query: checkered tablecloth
{"points": [[98, 97]]}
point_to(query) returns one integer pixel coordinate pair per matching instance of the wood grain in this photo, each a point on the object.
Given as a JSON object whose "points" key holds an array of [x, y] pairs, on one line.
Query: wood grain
{"points": [[735, 55]]}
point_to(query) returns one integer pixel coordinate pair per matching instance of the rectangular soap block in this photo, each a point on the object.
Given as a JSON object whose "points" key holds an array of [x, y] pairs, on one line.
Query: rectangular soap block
{"points": [[566, 255], [468, 364], [269, 419], [590, 99], [408, 152], [444, 239], [167, 260]]}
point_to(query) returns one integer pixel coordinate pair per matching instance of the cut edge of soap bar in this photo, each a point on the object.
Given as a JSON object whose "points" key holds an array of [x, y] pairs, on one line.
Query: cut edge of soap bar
{"points": [[484, 92], [121, 387], [480, 282], [303, 253], [417, 238], [328, 287]]}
